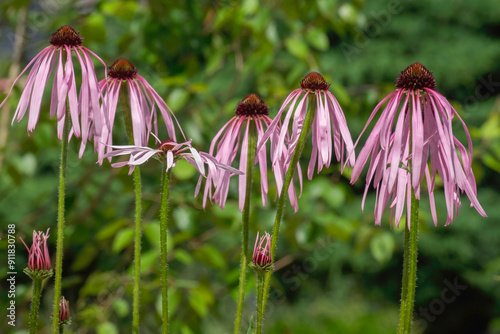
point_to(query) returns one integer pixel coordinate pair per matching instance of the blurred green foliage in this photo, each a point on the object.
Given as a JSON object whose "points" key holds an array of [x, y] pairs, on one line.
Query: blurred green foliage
{"points": [[337, 273]]}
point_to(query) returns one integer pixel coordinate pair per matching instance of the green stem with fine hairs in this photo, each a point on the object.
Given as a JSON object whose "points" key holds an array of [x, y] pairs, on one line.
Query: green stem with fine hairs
{"points": [[260, 297], [35, 304], [60, 220], [409, 282], [409, 269], [252, 147], [165, 192], [127, 117], [308, 121]]}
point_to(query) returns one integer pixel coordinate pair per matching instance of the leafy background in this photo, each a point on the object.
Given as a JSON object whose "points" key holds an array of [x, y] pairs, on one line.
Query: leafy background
{"points": [[336, 271]]}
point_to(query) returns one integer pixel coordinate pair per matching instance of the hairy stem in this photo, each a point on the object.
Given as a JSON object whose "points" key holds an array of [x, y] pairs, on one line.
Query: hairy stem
{"points": [[260, 297], [127, 117], [409, 282], [308, 121], [409, 269], [252, 146], [35, 304], [60, 221], [165, 192]]}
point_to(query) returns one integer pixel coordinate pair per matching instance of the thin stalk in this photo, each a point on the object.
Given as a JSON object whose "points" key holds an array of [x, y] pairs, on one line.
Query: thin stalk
{"points": [[60, 221], [252, 147], [137, 249], [409, 282], [35, 304], [308, 121], [61, 329], [409, 269], [260, 297], [127, 117], [165, 192]]}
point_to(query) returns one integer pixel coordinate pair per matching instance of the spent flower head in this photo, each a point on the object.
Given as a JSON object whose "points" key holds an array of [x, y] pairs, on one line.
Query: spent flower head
{"points": [[261, 258], [413, 138], [232, 142], [38, 256], [144, 101], [84, 107]]}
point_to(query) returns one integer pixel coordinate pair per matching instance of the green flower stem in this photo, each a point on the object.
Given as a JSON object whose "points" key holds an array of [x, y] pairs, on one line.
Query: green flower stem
{"points": [[61, 329], [60, 220], [260, 299], [127, 117], [308, 121], [409, 262], [35, 304], [165, 192], [409, 269], [252, 147]]}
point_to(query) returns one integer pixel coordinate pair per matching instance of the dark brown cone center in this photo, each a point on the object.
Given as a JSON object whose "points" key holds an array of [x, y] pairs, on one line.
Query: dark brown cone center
{"points": [[314, 81], [167, 145], [416, 76], [252, 105], [66, 36], [122, 69]]}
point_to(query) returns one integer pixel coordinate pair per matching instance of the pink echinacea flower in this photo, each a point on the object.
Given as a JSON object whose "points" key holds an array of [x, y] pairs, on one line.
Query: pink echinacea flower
{"points": [[169, 152], [329, 129], [413, 137], [143, 103], [232, 140], [59, 57]]}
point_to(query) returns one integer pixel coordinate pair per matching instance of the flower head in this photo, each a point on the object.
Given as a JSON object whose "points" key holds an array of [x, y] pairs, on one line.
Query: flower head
{"points": [[83, 107], [261, 258], [232, 141], [143, 103], [413, 137], [329, 129], [38, 256], [64, 318], [169, 152]]}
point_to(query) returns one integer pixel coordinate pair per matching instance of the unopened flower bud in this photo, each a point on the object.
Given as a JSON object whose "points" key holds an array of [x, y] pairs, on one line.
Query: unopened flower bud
{"points": [[39, 266], [64, 318], [261, 259]]}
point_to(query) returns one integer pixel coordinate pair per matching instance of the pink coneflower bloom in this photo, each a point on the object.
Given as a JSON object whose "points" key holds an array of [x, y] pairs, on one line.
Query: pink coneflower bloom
{"points": [[64, 312], [412, 138], [329, 129], [143, 103], [261, 258], [38, 256], [231, 141], [59, 57], [169, 152]]}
